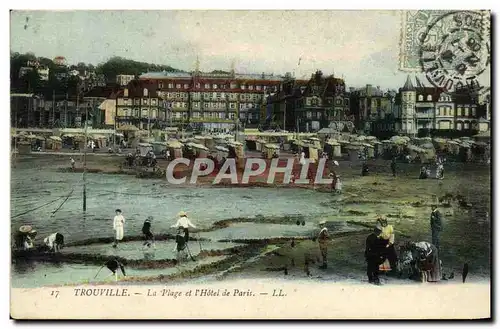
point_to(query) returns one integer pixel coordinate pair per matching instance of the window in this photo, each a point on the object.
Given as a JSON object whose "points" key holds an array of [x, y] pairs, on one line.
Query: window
{"points": [[198, 85], [429, 98], [160, 85], [231, 115], [144, 113], [243, 87], [170, 85], [258, 87], [196, 104], [466, 111], [250, 87], [459, 111], [420, 97], [207, 86], [186, 86], [205, 95], [136, 113], [196, 114], [232, 106], [473, 111], [309, 114], [233, 85], [153, 101], [153, 114], [466, 125], [178, 86], [144, 101], [214, 86]]}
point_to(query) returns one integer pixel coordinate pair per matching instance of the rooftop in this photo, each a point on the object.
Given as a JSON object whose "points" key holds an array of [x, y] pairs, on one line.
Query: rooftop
{"points": [[187, 75]]}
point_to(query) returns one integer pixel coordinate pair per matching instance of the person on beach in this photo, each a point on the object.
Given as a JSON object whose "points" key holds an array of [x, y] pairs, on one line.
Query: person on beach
{"points": [[146, 230], [118, 224], [25, 237], [425, 261], [373, 255], [302, 159], [440, 171], [181, 240], [393, 167], [55, 242], [323, 238], [424, 174], [183, 221], [387, 236], [113, 265], [436, 226], [364, 169]]}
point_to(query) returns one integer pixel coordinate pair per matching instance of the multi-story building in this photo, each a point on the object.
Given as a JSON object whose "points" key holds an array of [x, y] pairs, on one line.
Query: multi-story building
{"points": [[307, 105], [424, 107], [124, 79], [212, 100], [59, 110], [372, 108], [139, 104]]}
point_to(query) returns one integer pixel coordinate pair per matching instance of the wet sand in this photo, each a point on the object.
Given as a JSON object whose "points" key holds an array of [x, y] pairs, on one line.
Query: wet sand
{"points": [[405, 200]]}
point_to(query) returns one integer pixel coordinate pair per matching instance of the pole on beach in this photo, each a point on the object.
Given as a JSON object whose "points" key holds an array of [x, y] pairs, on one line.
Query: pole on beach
{"points": [[85, 161]]}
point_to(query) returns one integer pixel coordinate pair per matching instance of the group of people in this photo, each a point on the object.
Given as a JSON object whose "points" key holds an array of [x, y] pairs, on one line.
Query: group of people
{"points": [[419, 260], [24, 240], [183, 224], [416, 260]]}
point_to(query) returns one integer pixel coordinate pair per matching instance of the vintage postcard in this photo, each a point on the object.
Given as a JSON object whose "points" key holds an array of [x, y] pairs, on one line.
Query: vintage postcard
{"points": [[221, 164]]}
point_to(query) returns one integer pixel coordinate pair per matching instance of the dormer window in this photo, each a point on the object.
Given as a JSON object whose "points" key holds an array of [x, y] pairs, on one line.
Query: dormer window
{"points": [[420, 98], [145, 92], [429, 98]]}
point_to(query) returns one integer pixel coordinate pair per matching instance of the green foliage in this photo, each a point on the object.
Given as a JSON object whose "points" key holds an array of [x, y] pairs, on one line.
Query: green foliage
{"points": [[32, 83], [119, 65]]}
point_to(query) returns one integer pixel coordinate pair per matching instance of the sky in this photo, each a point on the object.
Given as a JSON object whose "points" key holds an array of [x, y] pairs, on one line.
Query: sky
{"points": [[361, 46]]}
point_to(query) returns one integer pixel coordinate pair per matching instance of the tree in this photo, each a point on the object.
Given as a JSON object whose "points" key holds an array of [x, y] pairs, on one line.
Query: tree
{"points": [[118, 65]]}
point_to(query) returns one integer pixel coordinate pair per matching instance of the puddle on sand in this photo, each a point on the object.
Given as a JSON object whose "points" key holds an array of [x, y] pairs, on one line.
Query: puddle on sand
{"points": [[252, 230], [36, 274], [134, 250]]}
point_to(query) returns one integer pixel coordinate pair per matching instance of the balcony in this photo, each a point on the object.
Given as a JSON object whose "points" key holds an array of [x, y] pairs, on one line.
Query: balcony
{"points": [[424, 115], [138, 119]]}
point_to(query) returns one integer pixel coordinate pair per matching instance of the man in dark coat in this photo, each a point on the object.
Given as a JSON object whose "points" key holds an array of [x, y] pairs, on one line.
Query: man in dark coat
{"points": [[393, 167], [146, 230], [436, 226], [374, 255]]}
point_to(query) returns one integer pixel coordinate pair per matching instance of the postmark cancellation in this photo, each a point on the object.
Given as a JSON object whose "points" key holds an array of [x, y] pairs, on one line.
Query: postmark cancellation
{"points": [[452, 48]]}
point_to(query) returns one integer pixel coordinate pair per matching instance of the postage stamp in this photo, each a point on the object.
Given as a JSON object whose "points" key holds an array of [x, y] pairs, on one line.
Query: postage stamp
{"points": [[451, 48], [154, 177], [414, 25]]}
